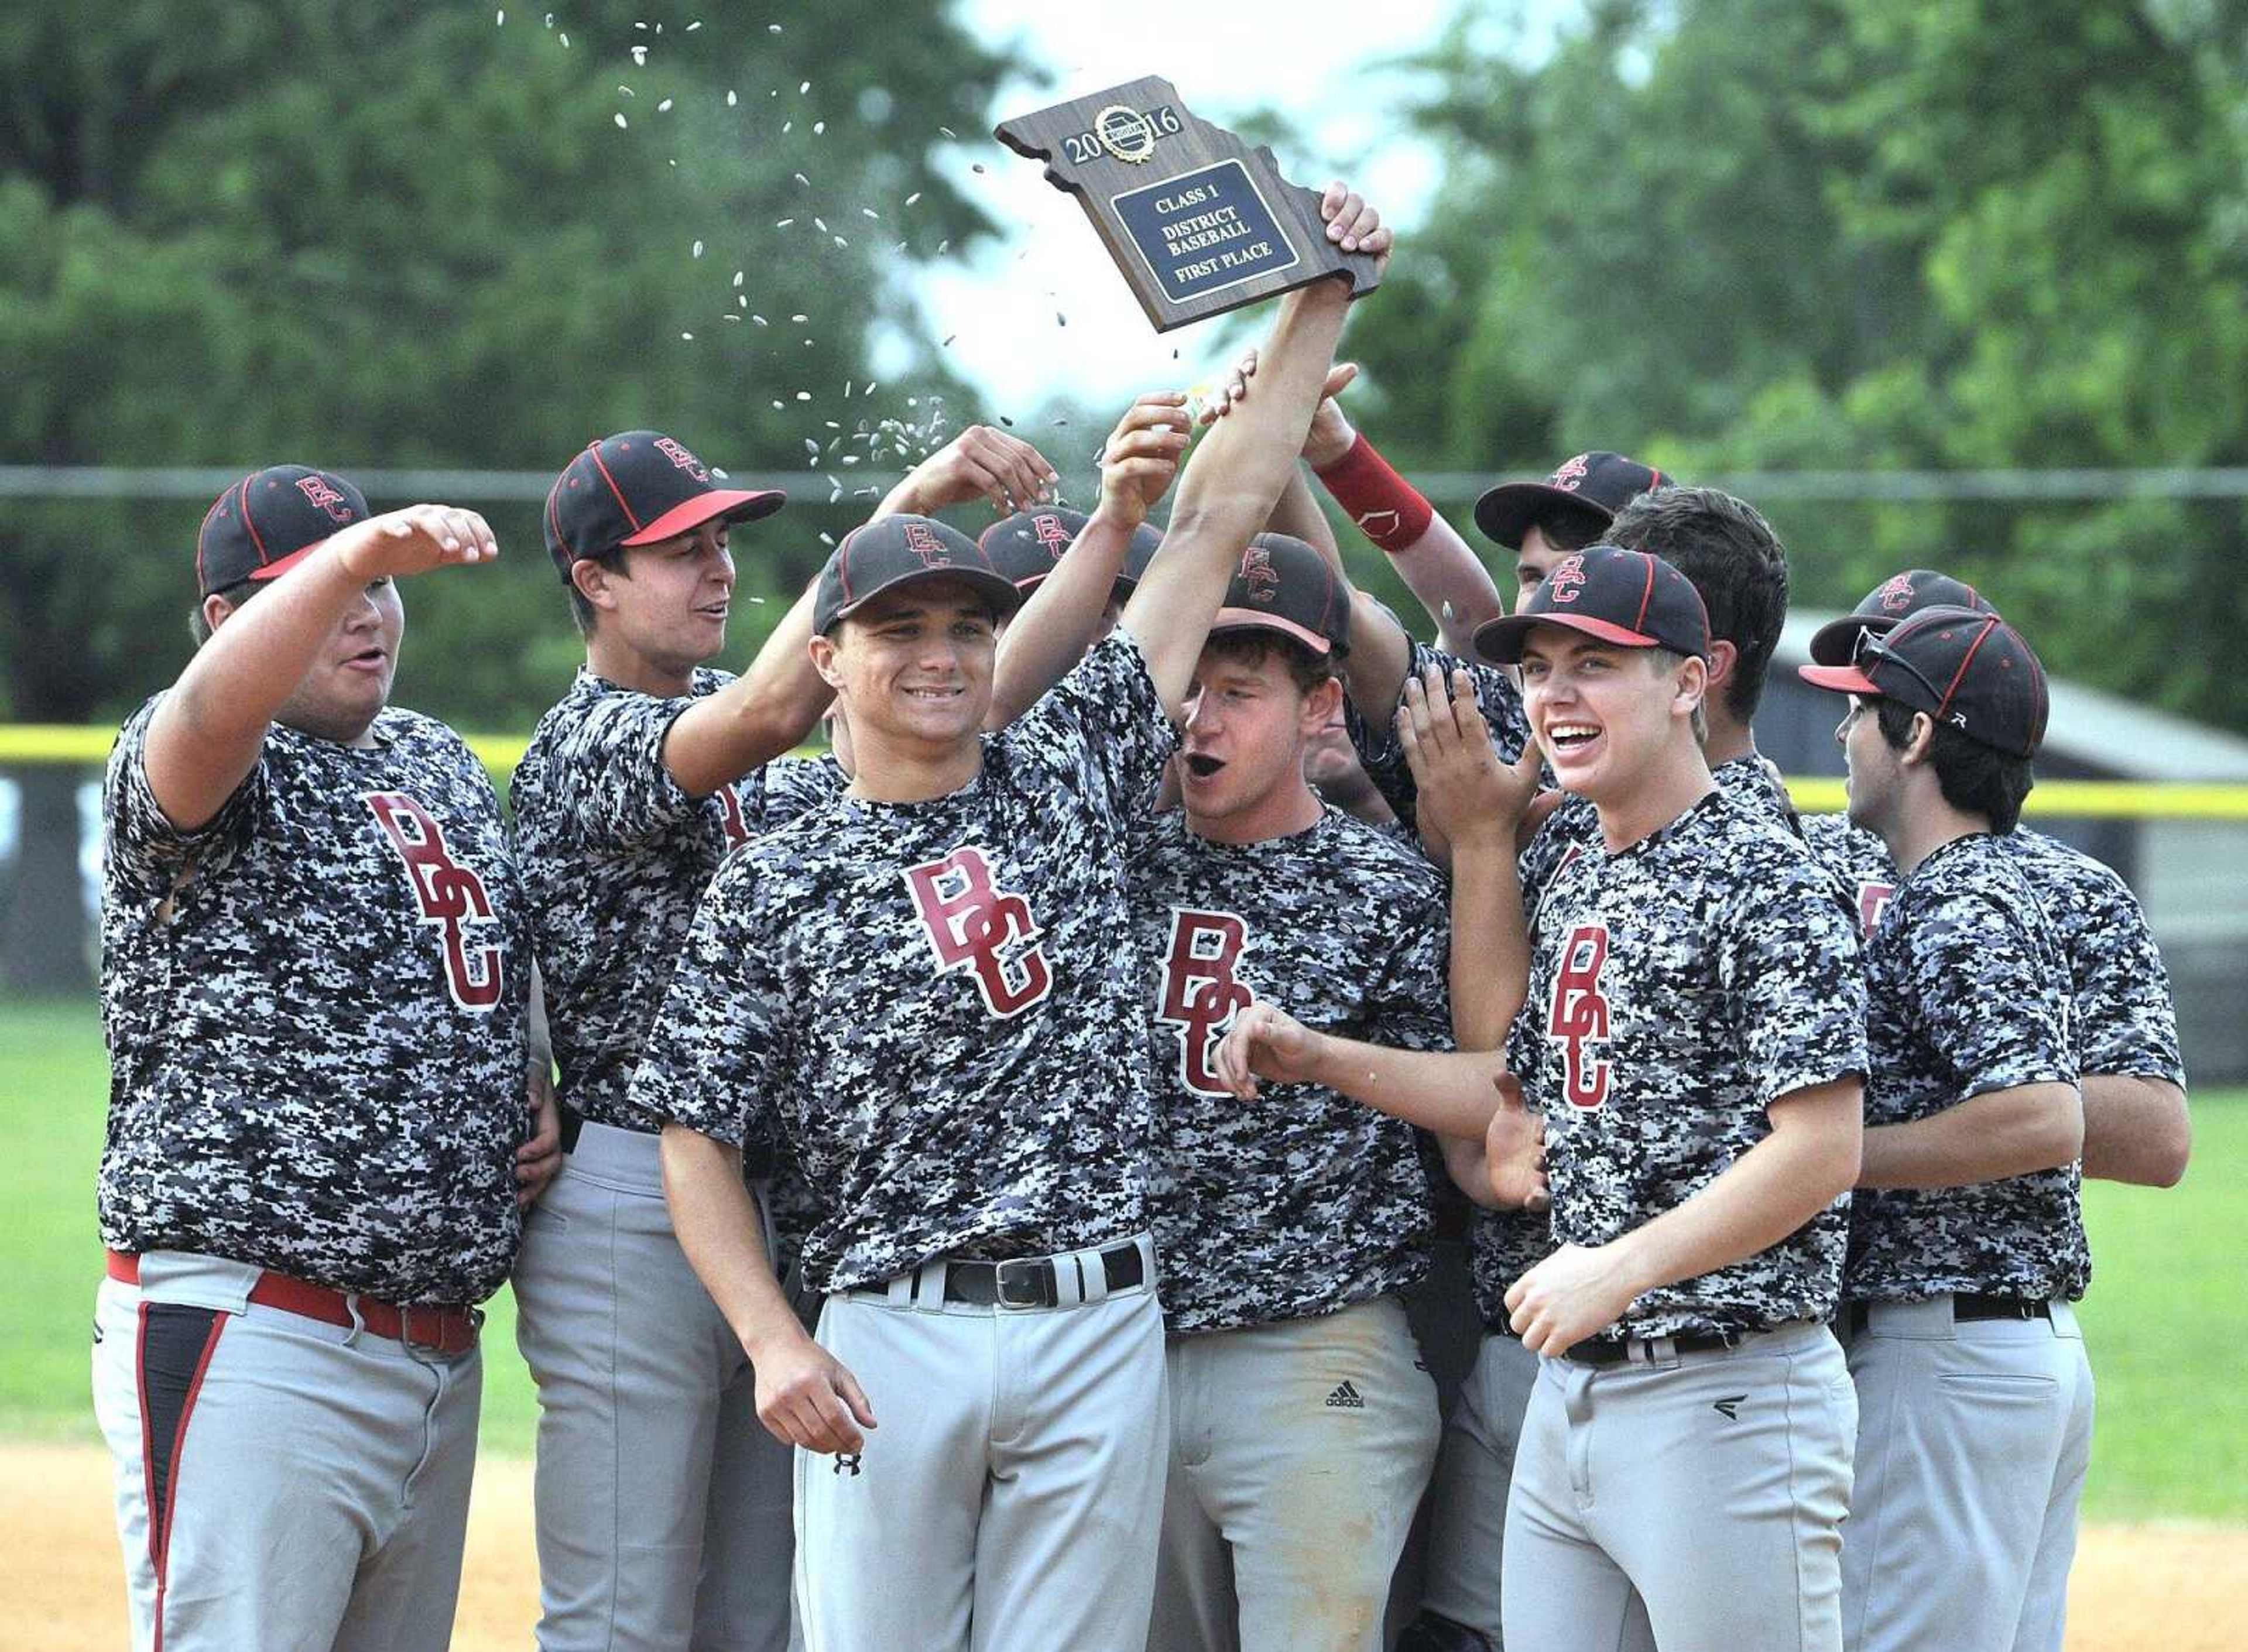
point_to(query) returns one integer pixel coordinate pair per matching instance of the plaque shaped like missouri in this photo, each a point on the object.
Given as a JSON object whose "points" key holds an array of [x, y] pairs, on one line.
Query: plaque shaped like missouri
{"points": [[1198, 222]]}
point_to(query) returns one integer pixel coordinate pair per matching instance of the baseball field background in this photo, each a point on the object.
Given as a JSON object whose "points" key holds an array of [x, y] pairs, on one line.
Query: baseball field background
{"points": [[1960, 282], [2163, 1567]]}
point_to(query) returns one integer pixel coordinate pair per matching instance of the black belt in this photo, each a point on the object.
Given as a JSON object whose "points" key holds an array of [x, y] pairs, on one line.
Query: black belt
{"points": [[1028, 1282], [1969, 1306], [572, 1122], [1604, 1350]]}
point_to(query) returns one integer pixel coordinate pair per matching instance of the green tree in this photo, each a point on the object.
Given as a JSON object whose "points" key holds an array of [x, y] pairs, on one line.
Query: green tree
{"points": [[395, 235], [1863, 234]]}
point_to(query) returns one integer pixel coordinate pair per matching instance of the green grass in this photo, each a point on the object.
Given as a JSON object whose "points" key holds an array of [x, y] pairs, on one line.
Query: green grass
{"points": [[2166, 1317]]}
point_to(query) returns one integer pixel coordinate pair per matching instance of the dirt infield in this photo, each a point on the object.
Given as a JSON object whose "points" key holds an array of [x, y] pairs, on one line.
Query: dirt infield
{"points": [[2136, 1588]]}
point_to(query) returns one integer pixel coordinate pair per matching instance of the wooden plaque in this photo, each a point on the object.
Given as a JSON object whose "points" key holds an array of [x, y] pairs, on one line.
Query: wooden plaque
{"points": [[1198, 222]]}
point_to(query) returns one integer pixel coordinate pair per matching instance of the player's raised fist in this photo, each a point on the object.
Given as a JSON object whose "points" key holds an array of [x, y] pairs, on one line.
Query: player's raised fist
{"points": [[1141, 457], [415, 540]]}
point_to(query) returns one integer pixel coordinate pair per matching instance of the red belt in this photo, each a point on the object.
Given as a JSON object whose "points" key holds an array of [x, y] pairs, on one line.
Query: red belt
{"points": [[444, 1329]]}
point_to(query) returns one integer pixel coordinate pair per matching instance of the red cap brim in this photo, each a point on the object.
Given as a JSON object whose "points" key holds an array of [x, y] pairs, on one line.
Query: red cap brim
{"points": [[275, 570], [1842, 679], [1500, 640], [1251, 619], [733, 504]]}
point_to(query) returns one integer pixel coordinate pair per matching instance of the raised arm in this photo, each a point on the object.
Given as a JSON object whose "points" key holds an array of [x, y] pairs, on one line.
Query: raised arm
{"points": [[1050, 634], [1437, 563], [1474, 802], [206, 734], [765, 712], [1236, 475]]}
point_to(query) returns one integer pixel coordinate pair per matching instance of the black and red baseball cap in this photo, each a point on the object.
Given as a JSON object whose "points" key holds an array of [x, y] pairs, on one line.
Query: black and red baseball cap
{"points": [[1625, 597], [1886, 605], [1283, 584], [1586, 491], [895, 550], [1027, 545], [270, 520], [1967, 669], [635, 487]]}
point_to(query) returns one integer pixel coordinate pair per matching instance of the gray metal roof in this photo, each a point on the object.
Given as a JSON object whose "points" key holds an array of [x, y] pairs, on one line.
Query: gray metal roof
{"points": [[2130, 740]]}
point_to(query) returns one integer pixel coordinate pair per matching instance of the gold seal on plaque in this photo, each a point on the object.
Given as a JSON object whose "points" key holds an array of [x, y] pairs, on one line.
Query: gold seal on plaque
{"points": [[1124, 132]]}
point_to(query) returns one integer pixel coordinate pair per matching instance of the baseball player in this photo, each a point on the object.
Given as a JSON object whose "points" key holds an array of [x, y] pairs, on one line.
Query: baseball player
{"points": [[2123, 1027], [1736, 566], [314, 973], [1302, 1423], [1692, 1036], [662, 1507], [926, 990], [1966, 1242], [1540, 522]]}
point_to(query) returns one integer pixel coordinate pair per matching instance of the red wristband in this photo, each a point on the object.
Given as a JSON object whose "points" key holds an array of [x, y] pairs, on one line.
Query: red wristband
{"points": [[1389, 510]]}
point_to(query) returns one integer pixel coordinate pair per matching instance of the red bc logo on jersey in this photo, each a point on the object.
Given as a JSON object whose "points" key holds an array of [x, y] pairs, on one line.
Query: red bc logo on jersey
{"points": [[1579, 1015], [729, 815], [972, 926], [449, 895], [1873, 901], [1200, 997]]}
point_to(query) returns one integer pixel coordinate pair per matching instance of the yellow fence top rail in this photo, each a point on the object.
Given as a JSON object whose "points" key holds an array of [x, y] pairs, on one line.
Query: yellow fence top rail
{"points": [[28, 743]]}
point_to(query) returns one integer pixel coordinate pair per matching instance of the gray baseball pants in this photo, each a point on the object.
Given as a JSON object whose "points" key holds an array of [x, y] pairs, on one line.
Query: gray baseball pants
{"points": [[1711, 1485], [1298, 1453], [281, 1482], [1009, 1499], [1973, 1438], [663, 1502]]}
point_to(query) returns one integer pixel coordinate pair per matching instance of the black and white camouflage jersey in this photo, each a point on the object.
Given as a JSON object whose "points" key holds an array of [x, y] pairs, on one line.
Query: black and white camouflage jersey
{"points": [[795, 785], [1381, 754], [1677, 989], [2121, 1019], [614, 857], [1967, 994], [1575, 822], [1508, 1243], [1301, 1201], [314, 1008], [937, 1004]]}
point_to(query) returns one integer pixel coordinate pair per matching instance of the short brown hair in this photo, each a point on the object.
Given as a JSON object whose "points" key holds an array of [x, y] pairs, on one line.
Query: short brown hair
{"points": [[1252, 646]]}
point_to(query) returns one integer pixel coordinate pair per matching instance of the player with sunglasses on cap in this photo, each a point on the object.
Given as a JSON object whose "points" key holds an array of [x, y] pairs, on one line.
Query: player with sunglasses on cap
{"points": [[2121, 1023], [1967, 1241]]}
